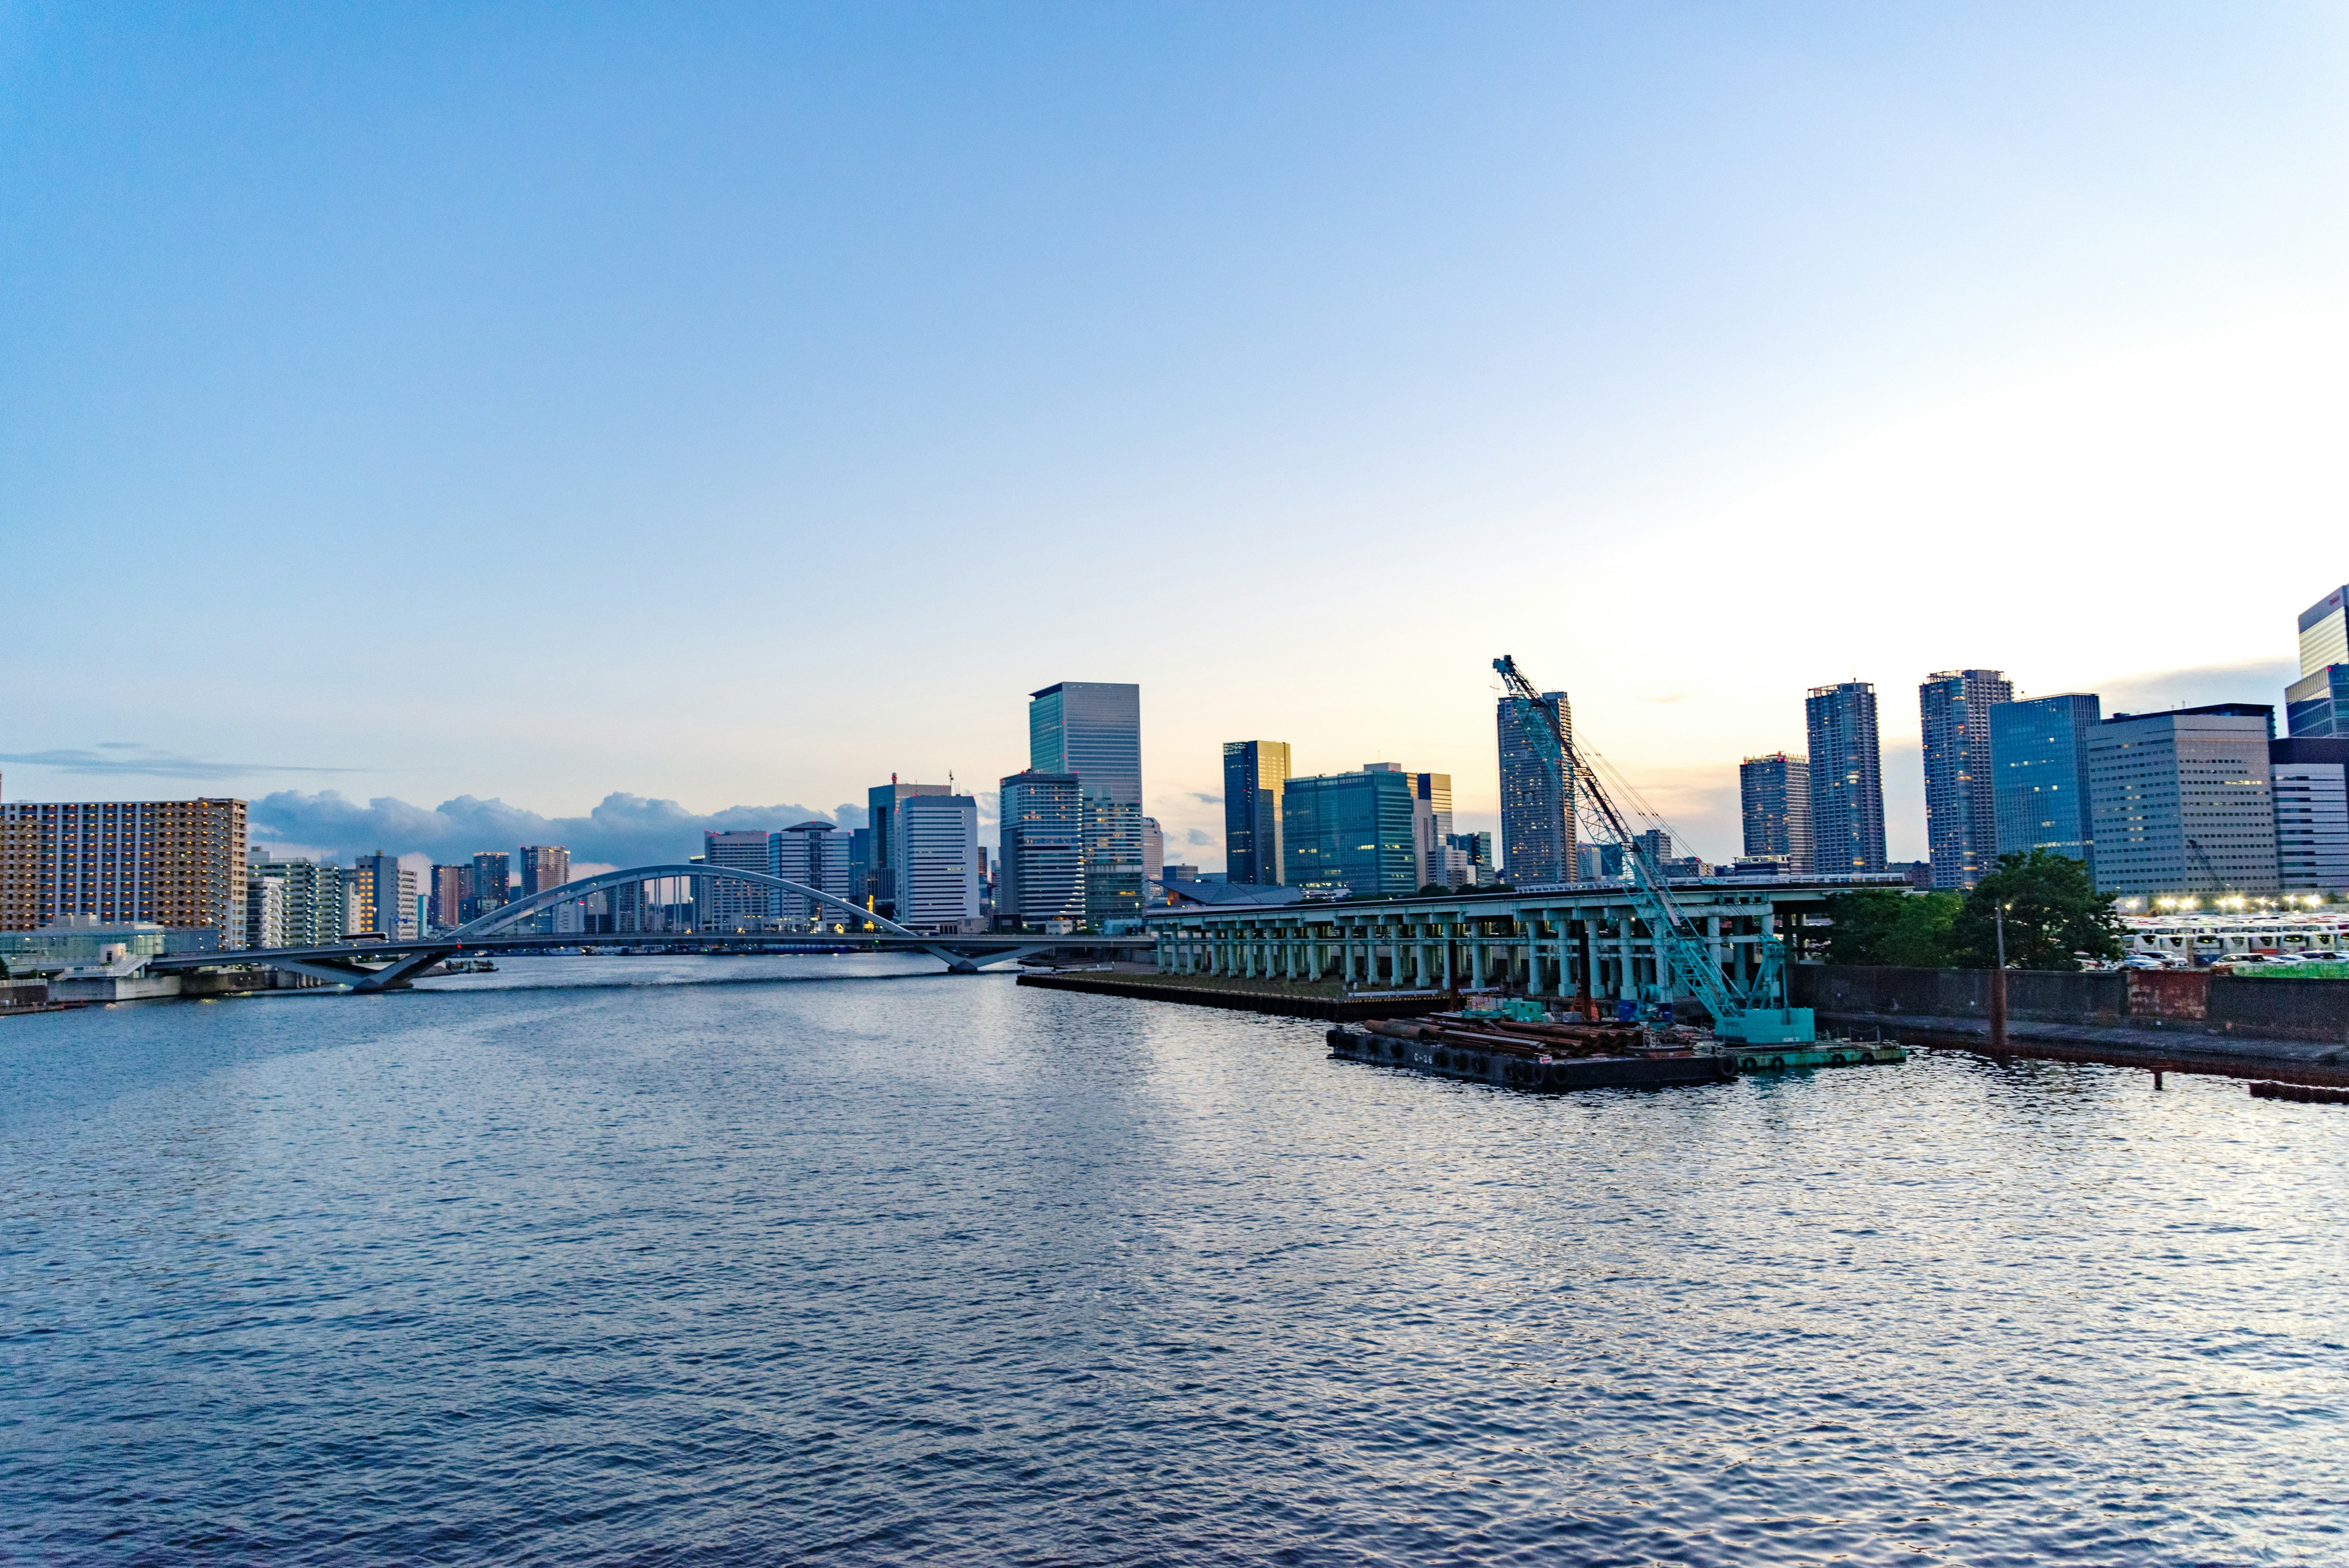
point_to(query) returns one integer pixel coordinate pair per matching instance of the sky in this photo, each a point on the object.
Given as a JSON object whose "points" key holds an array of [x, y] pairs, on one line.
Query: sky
{"points": [[432, 421]]}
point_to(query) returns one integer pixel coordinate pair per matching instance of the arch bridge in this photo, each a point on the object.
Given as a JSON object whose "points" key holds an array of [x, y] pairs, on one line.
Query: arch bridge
{"points": [[391, 964]]}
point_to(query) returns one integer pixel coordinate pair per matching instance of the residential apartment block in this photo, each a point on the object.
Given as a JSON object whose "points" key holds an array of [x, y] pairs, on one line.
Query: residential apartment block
{"points": [[1961, 813], [171, 862]]}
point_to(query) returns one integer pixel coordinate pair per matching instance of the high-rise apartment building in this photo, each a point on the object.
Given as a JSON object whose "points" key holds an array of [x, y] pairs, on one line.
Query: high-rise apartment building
{"points": [[1656, 845], [446, 894], [1774, 793], [490, 888], [382, 896], [541, 868], [1961, 811], [1350, 832], [1093, 729], [2181, 802], [2317, 704], [171, 862], [1043, 876], [1537, 797], [724, 904], [2039, 774], [815, 855], [937, 863], [312, 900], [880, 803], [265, 910], [2309, 779], [1254, 771], [1847, 779]]}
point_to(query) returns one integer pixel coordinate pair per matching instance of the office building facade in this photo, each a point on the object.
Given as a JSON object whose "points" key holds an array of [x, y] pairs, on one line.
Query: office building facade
{"points": [[723, 904], [937, 863], [445, 893], [814, 854], [178, 863], [1846, 768], [1093, 729], [880, 836], [2183, 803], [1960, 810], [541, 868], [382, 896], [2309, 779], [1351, 833], [1773, 797], [1536, 801], [2039, 774], [1254, 772], [2316, 706], [1042, 866]]}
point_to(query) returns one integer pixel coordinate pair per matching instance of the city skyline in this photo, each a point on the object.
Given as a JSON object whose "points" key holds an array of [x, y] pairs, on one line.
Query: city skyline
{"points": [[292, 314]]}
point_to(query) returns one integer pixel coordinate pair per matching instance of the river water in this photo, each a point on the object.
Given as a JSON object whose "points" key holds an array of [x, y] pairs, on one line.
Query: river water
{"points": [[687, 1261]]}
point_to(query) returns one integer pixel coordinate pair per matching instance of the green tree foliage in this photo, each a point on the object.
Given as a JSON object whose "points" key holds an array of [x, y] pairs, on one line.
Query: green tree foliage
{"points": [[1887, 926], [2052, 910]]}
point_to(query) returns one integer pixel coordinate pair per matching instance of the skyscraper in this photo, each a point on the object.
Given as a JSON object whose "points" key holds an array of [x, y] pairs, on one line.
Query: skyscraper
{"points": [[1351, 831], [814, 854], [1254, 771], [1431, 823], [383, 896], [2316, 706], [937, 863], [1774, 794], [446, 896], [2039, 774], [725, 904], [1093, 729], [881, 803], [2183, 801], [1536, 801], [1043, 857], [1961, 809], [491, 884], [2310, 780], [1847, 779], [541, 868]]}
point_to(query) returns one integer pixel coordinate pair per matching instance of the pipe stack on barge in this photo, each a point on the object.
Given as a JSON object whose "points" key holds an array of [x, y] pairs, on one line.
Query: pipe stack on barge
{"points": [[1520, 1050]]}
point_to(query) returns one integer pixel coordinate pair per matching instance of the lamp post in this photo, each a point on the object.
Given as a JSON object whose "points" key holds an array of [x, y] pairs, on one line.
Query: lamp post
{"points": [[1998, 982]]}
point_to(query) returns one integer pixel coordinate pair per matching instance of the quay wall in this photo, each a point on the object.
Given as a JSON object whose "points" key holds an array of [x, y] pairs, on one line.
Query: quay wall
{"points": [[2188, 1001]]}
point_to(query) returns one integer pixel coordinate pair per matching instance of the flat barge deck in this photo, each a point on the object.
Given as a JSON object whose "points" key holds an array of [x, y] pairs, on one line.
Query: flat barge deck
{"points": [[1546, 1057]]}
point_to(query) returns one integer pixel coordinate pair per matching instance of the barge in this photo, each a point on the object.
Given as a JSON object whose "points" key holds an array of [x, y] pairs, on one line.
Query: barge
{"points": [[1542, 1055]]}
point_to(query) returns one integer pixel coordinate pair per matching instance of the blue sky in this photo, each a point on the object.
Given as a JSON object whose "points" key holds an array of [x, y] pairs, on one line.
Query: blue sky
{"points": [[536, 405]]}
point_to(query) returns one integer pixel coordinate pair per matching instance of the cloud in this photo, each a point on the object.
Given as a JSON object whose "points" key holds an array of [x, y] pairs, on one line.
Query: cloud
{"points": [[1197, 835], [623, 829], [1203, 798], [147, 763]]}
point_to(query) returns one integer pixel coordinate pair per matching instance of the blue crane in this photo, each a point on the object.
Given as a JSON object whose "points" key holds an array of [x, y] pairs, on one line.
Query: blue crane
{"points": [[1753, 1014]]}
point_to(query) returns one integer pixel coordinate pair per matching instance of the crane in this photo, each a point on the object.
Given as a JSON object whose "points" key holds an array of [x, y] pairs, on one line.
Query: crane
{"points": [[1746, 1016]]}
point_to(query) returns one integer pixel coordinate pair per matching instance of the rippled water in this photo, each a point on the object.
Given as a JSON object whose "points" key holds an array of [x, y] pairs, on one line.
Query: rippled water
{"points": [[595, 1260]]}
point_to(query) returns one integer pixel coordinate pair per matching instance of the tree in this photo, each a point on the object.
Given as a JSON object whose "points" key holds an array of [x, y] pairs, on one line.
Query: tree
{"points": [[1887, 926], [2052, 910]]}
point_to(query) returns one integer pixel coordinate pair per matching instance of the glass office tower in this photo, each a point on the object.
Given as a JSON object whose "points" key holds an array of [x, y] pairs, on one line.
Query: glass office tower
{"points": [[1847, 779], [1043, 857], [1774, 793], [1350, 832], [1093, 729], [1254, 771], [2039, 774]]}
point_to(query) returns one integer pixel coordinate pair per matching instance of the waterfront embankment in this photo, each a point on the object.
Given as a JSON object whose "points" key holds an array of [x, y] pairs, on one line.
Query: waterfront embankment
{"points": [[1324, 1000]]}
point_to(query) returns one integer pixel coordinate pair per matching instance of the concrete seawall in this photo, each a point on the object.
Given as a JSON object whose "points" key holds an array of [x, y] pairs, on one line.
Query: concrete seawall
{"points": [[2181, 1017]]}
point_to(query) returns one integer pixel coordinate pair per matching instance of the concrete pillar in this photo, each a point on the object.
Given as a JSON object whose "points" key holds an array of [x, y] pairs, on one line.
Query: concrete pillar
{"points": [[1626, 963]]}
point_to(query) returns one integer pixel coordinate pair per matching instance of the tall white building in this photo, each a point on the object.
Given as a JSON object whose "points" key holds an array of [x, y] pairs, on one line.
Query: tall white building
{"points": [[937, 863], [2185, 797], [728, 904]]}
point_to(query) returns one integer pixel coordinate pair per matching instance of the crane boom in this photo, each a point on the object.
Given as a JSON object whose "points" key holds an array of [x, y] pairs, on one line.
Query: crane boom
{"points": [[1756, 1016]]}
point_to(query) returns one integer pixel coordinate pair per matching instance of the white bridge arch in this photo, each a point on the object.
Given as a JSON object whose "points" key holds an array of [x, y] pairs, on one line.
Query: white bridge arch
{"points": [[523, 909]]}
